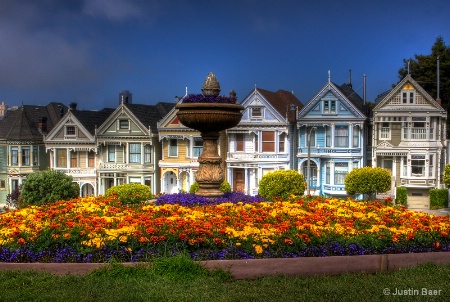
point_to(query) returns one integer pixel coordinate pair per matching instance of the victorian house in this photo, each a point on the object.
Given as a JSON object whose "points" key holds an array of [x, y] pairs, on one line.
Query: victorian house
{"points": [[409, 139], [332, 136], [264, 140], [181, 147], [128, 145], [73, 149], [22, 149]]}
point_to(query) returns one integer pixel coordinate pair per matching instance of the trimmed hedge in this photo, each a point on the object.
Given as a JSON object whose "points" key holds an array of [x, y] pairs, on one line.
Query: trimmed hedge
{"points": [[438, 198], [133, 193], [401, 196], [281, 184]]}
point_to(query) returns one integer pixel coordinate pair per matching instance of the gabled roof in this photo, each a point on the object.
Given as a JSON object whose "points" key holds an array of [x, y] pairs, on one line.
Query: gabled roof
{"points": [[22, 123], [91, 119], [387, 96], [280, 101], [149, 115], [345, 92]]}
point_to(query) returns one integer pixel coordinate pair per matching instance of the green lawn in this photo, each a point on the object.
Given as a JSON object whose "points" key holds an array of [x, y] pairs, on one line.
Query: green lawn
{"points": [[180, 279]]}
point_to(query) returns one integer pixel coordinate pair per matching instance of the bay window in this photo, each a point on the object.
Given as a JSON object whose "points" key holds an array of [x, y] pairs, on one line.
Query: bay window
{"points": [[25, 156], [61, 158], [135, 153], [14, 156], [173, 147], [341, 136], [340, 172], [147, 154], [417, 165], [197, 148], [239, 142], [268, 141], [111, 153]]}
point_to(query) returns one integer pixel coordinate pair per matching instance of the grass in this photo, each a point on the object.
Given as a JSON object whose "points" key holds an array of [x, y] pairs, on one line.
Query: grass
{"points": [[180, 279]]}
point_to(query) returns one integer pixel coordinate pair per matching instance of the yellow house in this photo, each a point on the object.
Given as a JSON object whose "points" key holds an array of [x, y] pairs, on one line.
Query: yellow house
{"points": [[181, 147]]}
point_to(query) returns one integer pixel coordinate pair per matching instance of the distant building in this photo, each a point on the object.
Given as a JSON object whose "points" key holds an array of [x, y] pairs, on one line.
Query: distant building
{"points": [[3, 109]]}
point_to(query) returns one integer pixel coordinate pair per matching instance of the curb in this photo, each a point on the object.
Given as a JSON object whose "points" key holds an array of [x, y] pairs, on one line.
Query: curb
{"points": [[255, 268]]}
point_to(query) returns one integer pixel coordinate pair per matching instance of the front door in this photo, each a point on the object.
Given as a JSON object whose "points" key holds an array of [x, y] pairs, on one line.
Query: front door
{"points": [[238, 180], [171, 183]]}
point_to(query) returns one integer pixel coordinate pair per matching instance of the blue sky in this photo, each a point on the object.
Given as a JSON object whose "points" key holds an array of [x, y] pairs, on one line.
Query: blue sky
{"points": [[88, 51]]}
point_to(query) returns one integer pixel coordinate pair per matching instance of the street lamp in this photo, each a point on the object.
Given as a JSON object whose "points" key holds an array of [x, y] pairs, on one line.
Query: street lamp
{"points": [[308, 164]]}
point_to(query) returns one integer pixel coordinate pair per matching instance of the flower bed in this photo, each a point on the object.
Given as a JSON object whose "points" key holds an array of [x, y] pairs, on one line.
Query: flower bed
{"points": [[95, 229]]}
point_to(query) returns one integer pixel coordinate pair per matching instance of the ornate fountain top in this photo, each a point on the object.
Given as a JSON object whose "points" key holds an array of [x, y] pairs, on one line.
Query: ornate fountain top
{"points": [[211, 86]]}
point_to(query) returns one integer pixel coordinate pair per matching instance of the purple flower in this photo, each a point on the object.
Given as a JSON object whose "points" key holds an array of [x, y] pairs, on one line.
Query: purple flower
{"points": [[200, 98]]}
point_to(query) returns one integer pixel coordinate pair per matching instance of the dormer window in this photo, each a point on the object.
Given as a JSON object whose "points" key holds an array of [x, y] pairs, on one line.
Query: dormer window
{"points": [[256, 112], [408, 94], [329, 107], [124, 124], [70, 130]]}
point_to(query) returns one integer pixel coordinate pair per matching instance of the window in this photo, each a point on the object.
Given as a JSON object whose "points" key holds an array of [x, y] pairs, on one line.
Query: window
{"points": [[14, 156], [340, 172], [256, 143], [148, 182], [341, 136], [147, 154], [431, 165], [70, 130], [256, 112], [417, 165], [329, 107], [91, 159], [282, 142], [197, 148], [408, 97], [405, 166], [328, 136], [73, 159], [35, 156], [2, 184], [173, 148], [356, 134], [111, 153], [327, 172], [239, 142], [124, 124], [135, 153], [312, 137], [25, 156], [268, 141], [405, 130], [61, 158], [385, 132], [418, 131]]}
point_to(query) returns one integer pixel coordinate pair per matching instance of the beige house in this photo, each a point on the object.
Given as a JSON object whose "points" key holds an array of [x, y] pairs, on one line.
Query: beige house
{"points": [[73, 149], [128, 146], [409, 139]]}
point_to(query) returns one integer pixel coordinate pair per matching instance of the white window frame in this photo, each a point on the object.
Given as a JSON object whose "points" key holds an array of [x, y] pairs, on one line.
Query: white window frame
{"points": [[172, 149], [385, 131]]}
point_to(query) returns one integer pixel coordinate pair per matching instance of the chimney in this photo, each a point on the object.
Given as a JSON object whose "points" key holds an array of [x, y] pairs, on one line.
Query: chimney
{"points": [[125, 97], [349, 84], [42, 124], [73, 106]]}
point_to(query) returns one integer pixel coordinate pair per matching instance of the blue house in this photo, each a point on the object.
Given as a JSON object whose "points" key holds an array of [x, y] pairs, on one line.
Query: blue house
{"points": [[335, 122]]}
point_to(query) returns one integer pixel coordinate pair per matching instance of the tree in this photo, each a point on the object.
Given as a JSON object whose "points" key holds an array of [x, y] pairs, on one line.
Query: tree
{"points": [[48, 186], [423, 68], [368, 181]]}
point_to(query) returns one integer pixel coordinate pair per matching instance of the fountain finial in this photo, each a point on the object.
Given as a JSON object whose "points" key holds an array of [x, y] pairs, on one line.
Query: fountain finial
{"points": [[211, 86]]}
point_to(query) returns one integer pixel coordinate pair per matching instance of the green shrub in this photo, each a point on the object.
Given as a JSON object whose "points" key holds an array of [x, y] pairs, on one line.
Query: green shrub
{"points": [[47, 186], [133, 193], [401, 196], [438, 198], [446, 177], [224, 187], [194, 188], [281, 183], [368, 180]]}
